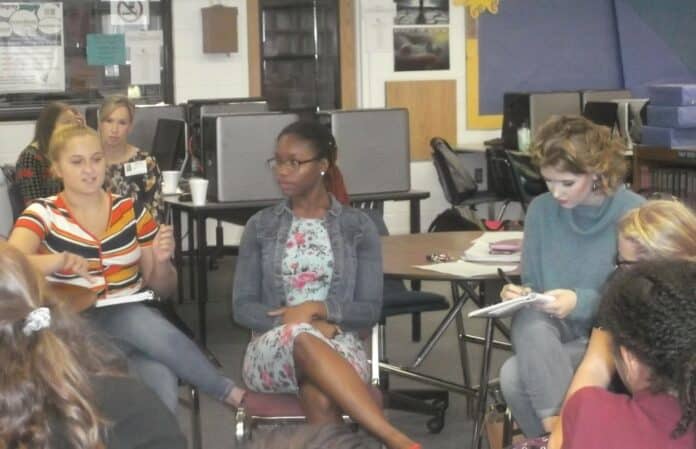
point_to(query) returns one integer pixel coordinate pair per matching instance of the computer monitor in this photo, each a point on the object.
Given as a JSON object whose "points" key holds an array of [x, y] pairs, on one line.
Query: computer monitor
{"points": [[169, 144], [603, 113]]}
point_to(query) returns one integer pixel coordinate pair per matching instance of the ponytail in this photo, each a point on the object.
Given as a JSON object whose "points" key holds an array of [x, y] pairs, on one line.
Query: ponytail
{"points": [[333, 180]]}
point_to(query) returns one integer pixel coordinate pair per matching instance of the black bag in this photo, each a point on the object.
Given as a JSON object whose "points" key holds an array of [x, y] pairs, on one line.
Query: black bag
{"points": [[452, 219]]}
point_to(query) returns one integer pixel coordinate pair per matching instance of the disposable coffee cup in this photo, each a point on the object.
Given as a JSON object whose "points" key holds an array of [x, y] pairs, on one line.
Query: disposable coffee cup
{"points": [[199, 190], [170, 181]]}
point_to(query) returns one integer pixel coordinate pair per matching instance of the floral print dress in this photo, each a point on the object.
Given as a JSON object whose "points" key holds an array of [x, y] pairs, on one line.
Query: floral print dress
{"points": [[145, 188], [307, 269]]}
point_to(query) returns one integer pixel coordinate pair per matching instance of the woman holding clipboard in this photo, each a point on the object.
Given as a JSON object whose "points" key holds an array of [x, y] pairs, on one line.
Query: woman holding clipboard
{"points": [[568, 251]]}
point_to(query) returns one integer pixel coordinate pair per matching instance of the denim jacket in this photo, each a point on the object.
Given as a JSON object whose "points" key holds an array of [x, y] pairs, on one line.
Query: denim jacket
{"points": [[354, 300]]}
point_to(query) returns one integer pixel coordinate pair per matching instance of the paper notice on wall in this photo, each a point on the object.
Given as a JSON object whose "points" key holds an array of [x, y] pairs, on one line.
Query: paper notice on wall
{"points": [[145, 65], [145, 48], [378, 18], [31, 47]]}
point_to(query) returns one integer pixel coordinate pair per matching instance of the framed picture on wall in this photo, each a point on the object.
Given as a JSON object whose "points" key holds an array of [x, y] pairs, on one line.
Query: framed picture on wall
{"points": [[422, 12], [421, 48]]}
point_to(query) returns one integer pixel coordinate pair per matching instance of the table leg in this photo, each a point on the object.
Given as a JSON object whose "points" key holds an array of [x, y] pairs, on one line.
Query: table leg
{"points": [[192, 256], [176, 222], [202, 278], [415, 215], [483, 387]]}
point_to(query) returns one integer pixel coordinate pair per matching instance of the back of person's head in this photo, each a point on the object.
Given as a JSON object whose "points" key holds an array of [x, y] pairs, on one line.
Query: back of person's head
{"points": [[324, 146], [662, 229], [46, 122], [650, 310], [46, 355], [114, 102], [576, 145], [62, 136]]}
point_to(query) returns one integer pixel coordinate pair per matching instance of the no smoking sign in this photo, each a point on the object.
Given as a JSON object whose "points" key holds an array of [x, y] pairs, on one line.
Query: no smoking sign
{"points": [[129, 13]]}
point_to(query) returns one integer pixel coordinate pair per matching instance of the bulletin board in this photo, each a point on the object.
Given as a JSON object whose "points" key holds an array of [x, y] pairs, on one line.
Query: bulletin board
{"points": [[80, 51], [432, 111]]}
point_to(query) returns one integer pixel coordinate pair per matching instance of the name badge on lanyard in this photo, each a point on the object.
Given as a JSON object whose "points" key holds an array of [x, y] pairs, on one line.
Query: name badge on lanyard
{"points": [[135, 168]]}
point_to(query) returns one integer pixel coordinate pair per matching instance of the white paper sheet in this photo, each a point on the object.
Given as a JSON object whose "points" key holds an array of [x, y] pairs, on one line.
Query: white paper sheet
{"points": [[145, 65], [467, 269], [480, 250]]}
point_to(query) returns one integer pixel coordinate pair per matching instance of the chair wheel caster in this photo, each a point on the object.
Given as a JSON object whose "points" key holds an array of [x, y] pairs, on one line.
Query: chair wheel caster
{"points": [[436, 424]]}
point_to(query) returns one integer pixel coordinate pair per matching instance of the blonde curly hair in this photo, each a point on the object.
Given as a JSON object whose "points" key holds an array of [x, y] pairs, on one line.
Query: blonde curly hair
{"points": [[576, 145]]}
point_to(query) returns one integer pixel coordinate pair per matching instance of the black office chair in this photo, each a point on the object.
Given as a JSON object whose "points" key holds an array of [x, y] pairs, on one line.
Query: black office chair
{"points": [[397, 300], [13, 190], [167, 309], [512, 176], [458, 185]]}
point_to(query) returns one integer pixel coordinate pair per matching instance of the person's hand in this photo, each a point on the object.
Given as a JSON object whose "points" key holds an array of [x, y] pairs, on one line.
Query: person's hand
{"points": [[163, 244], [75, 264], [302, 313], [565, 302], [511, 291], [556, 436], [327, 329]]}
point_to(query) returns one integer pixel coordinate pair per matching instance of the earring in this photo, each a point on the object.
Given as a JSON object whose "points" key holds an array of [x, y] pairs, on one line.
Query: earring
{"points": [[323, 172], [595, 185]]}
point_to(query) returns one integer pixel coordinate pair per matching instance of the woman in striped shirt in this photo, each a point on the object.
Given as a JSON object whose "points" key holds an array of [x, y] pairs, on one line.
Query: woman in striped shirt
{"points": [[112, 245]]}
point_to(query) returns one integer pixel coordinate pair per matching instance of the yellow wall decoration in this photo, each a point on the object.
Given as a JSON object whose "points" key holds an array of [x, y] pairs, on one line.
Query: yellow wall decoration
{"points": [[476, 7]]}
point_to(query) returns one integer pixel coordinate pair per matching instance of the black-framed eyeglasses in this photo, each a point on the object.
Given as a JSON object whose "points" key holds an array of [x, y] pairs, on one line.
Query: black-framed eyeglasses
{"points": [[293, 164], [621, 263]]}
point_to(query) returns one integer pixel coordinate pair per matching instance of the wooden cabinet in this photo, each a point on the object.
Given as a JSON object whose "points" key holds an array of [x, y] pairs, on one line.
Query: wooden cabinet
{"points": [[302, 53], [665, 170]]}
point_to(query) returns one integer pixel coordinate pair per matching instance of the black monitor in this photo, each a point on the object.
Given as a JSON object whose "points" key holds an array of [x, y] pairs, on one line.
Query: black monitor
{"points": [[169, 144], [603, 113]]}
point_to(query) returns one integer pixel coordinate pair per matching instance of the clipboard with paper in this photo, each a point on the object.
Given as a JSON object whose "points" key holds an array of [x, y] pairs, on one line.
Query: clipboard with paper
{"points": [[507, 308]]}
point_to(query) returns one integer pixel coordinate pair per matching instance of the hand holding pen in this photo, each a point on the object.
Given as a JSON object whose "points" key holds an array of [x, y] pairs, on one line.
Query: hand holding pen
{"points": [[511, 290]]}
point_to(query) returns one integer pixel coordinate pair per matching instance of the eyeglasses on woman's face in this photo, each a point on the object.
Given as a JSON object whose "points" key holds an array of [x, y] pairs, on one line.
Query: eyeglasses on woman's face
{"points": [[292, 164]]}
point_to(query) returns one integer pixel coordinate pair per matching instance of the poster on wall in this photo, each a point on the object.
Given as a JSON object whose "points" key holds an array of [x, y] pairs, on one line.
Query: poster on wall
{"points": [[31, 47], [421, 48], [421, 12]]}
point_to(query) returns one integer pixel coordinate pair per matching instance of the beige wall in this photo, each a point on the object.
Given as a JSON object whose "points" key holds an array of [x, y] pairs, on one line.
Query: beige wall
{"points": [[199, 75]]}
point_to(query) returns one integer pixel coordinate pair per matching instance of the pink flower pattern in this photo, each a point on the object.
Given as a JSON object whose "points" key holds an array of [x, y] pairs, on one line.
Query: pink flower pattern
{"points": [[307, 269], [269, 364]]}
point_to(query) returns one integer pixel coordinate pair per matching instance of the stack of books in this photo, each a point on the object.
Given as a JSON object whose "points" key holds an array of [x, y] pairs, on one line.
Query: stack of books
{"points": [[671, 116]]}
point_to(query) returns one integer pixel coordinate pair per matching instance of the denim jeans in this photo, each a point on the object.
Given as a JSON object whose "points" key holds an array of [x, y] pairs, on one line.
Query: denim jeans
{"points": [[148, 339], [534, 381]]}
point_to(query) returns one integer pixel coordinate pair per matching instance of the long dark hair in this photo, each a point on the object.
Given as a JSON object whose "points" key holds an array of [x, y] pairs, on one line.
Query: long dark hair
{"points": [[324, 145], [46, 123], [651, 311], [44, 378]]}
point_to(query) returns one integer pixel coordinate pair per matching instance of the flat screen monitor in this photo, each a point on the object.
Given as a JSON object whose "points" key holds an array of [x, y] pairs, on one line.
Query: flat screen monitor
{"points": [[169, 144], [603, 113]]}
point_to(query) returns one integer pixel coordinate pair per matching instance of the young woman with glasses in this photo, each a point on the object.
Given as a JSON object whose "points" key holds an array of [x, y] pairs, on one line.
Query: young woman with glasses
{"points": [[308, 278], [568, 252], [658, 230]]}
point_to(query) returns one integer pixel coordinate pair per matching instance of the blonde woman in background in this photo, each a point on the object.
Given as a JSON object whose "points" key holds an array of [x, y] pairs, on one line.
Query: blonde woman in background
{"points": [[130, 171], [658, 230]]}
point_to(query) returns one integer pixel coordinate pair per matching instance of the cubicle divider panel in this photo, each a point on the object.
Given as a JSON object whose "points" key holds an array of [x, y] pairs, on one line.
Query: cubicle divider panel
{"points": [[237, 147], [373, 148]]}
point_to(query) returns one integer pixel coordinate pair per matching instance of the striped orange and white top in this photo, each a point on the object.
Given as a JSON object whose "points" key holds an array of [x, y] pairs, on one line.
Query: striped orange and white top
{"points": [[114, 258]]}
